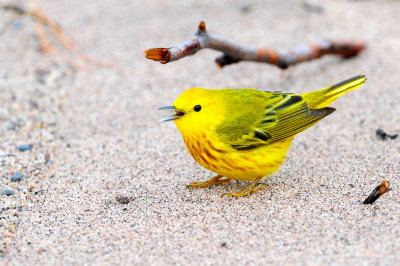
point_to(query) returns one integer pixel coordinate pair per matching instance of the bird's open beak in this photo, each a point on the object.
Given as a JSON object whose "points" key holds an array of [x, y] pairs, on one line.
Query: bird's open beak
{"points": [[178, 113]]}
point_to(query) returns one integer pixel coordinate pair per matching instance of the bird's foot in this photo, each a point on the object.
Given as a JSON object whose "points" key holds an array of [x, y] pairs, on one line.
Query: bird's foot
{"points": [[216, 180], [250, 188]]}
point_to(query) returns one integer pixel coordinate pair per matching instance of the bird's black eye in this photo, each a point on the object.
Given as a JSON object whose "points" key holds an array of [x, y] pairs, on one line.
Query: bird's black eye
{"points": [[197, 108]]}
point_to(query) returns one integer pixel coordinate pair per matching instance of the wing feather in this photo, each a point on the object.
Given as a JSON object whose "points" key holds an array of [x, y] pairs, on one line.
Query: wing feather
{"points": [[285, 115]]}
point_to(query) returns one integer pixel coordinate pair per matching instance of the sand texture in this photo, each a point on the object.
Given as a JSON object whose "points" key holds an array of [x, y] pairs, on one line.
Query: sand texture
{"points": [[95, 137]]}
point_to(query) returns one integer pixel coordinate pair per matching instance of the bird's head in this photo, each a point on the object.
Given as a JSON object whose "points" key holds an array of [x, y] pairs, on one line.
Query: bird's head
{"points": [[197, 109]]}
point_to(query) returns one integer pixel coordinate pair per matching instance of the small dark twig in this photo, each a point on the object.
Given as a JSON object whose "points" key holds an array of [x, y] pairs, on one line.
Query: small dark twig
{"points": [[16, 9], [233, 52], [377, 192], [383, 135], [18, 12]]}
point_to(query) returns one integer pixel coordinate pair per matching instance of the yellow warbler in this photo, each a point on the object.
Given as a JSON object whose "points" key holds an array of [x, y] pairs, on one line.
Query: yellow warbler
{"points": [[244, 134]]}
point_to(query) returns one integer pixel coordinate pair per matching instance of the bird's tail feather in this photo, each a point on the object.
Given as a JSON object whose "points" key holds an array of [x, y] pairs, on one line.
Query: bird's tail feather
{"points": [[323, 98]]}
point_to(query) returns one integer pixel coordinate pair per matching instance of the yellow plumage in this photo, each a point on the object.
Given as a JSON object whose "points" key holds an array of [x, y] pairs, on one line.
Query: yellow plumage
{"points": [[244, 134]]}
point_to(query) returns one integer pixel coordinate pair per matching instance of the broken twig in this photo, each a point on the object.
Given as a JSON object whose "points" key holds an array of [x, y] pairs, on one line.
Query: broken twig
{"points": [[233, 52], [377, 192], [42, 21], [383, 135]]}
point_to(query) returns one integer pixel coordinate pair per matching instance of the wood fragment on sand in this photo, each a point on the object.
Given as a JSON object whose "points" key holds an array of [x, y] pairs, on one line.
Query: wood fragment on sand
{"points": [[234, 52], [377, 192]]}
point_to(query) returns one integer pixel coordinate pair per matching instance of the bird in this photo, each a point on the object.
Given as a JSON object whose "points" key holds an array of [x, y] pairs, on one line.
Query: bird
{"points": [[244, 134]]}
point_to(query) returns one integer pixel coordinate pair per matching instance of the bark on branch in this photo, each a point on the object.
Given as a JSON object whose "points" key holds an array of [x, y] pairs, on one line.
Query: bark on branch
{"points": [[234, 52]]}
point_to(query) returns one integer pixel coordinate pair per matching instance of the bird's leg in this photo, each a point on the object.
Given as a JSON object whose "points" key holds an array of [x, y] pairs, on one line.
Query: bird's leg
{"points": [[252, 187], [216, 180]]}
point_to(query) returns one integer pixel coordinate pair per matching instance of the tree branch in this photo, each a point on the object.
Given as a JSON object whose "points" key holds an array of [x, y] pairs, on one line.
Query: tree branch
{"points": [[234, 52]]}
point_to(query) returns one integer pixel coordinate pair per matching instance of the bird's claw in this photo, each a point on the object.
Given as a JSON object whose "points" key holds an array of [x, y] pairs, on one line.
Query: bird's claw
{"points": [[246, 191], [208, 183]]}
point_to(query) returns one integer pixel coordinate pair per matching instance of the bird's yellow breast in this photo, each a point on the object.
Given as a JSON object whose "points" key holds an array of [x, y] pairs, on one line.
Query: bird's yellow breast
{"points": [[247, 165]]}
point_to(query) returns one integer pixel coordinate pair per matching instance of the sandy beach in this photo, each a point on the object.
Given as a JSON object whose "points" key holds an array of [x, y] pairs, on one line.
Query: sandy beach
{"points": [[94, 138]]}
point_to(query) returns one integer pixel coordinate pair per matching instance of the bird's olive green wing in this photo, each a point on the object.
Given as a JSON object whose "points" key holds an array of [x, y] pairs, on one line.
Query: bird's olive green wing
{"points": [[284, 115]]}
